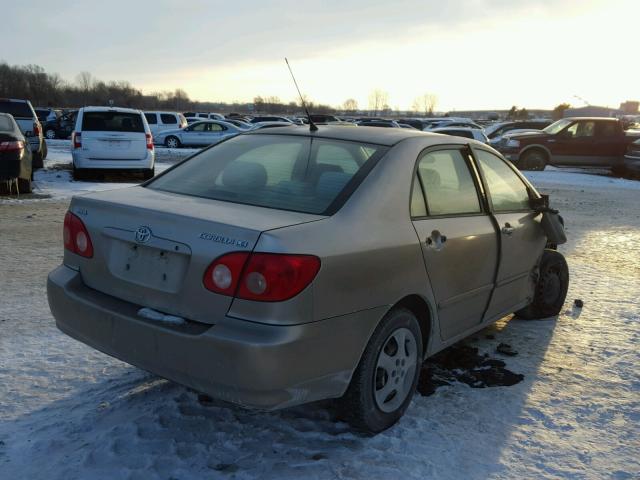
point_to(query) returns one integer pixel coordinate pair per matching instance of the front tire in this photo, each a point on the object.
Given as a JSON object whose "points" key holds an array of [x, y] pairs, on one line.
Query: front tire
{"points": [[551, 288], [172, 142], [533, 160], [385, 380]]}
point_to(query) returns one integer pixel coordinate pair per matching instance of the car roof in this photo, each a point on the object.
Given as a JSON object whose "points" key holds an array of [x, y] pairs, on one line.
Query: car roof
{"points": [[111, 109], [449, 129], [375, 135], [610, 119]]}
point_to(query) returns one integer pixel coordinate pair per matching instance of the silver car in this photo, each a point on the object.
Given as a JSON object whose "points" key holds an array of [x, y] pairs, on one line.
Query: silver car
{"points": [[283, 266], [197, 134]]}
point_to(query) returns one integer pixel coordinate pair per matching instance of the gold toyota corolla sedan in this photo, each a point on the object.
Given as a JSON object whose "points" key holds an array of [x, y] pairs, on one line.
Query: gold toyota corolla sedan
{"points": [[284, 266]]}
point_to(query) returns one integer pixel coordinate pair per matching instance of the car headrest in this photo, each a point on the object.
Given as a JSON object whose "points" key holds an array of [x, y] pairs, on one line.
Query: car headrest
{"points": [[244, 175], [331, 183], [320, 168], [431, 178]]}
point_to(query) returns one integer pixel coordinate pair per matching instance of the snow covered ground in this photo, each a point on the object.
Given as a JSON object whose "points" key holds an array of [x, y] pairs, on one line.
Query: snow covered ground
{"points": [[67, 411]]}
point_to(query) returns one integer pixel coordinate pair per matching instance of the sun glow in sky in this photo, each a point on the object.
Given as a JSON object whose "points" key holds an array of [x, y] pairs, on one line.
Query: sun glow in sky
{"points": [[472, 54]]}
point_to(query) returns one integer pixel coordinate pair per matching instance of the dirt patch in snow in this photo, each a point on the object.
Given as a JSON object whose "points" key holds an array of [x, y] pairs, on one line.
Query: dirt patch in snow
{"points": [[463, 363]]}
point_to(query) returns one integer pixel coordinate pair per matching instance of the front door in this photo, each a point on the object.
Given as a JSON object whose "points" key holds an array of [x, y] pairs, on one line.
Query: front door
{"points": [[522, 239], [574, 145], [458, 238]]}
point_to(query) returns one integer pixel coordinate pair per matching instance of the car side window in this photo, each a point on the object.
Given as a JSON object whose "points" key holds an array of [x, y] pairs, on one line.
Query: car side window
{"points": [[168, 119], [418, 207], [214, 127], [199, 127], [448, 186], [607, 129], [508, 192], [581, 129], [151, 118]]}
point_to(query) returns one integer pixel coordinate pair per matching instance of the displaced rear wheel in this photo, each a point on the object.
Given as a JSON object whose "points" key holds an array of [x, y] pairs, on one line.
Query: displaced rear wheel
{"points": [[386, 377], [172, 142], [551, 289], [533, 160]]}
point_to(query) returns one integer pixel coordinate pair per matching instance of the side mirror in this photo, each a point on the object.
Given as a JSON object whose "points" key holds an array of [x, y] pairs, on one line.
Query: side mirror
{"points": [[539, 204]]}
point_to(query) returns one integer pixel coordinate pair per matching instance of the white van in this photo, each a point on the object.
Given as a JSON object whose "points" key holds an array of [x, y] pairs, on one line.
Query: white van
{"points": [[110, 138], [160, 121]]}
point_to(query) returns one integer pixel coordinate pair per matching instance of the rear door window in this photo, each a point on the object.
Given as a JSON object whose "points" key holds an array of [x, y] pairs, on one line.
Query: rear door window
{"points": [[275, 171], [152, 118], [447, 183], [168, 119], [17, 109], [112, 122]]}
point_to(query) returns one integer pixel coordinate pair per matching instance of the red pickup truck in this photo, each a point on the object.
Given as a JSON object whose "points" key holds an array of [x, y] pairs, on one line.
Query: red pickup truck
{"points": [[580, 141]]}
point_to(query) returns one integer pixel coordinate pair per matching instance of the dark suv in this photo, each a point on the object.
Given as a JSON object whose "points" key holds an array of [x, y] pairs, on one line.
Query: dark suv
{"points": [[62, 126], [27, 120]]}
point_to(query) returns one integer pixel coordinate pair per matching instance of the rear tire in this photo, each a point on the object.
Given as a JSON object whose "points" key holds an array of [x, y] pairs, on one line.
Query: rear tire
{"points": [[385, 380], [79, 174], [533, 160], [50, 134], [551, 288], [37, 162], [172, 142]]}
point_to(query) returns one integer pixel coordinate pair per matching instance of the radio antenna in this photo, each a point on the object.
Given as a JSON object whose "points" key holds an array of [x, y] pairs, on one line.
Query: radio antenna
{"points": [[312, 126]]}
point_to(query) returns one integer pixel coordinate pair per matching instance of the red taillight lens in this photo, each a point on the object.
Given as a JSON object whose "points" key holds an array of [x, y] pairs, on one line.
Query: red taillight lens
{"points": [[149, 141], [223, 274], [264, 277], [76, 237], [76, 139], [11, 146], [36, 129]]}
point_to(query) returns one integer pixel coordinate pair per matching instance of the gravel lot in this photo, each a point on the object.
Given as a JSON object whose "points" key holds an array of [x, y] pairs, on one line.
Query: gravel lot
{"points": [[70, 412]]}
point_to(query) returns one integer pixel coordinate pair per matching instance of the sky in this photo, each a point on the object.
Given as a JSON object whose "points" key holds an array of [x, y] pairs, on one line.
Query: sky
{"points": [[471, 54]]}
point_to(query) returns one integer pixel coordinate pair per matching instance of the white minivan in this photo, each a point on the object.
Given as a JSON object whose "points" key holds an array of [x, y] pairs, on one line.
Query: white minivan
{"points": [[160, 121], [110, 138]]}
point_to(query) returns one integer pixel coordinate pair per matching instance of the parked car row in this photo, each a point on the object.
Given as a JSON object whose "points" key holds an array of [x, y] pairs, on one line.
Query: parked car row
{"points": [[26, 118]]}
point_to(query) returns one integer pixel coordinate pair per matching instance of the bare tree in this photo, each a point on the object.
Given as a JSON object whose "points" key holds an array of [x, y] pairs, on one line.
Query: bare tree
{"points": [[350, 105], [425, 104], [377, 100]]}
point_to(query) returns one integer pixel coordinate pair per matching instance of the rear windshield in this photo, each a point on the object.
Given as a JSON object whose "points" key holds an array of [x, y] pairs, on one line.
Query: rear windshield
{"points": [[17, 109], [284, 172], [112, 122]]}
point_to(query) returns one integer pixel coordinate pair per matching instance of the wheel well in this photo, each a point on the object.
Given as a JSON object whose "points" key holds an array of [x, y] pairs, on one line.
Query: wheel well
{"points": [[420, 308], [536, 149]]}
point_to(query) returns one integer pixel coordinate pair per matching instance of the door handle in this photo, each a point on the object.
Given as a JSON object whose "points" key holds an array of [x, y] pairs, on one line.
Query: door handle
{"points": [[436, 240], [551, 140], [507, 229]]}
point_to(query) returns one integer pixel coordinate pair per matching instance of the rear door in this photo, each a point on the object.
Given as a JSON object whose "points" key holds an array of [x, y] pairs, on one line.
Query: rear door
{"points": [[214, 132], [457, 236], [152, 120], [522, 239], [610, 143], [113, 135]]}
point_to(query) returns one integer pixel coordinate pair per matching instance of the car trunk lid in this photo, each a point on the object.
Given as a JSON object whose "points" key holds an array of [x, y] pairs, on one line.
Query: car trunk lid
{"points": [[152, 248]]}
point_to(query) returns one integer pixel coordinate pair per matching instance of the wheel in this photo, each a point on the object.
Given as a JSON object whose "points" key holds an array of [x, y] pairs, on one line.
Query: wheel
{"points": [[45, 150], [172, 142], [37, 160], [79, 173], [551, 288], [50, 134], [149, 173], [385, 380], [533, 160], [24, 185]]}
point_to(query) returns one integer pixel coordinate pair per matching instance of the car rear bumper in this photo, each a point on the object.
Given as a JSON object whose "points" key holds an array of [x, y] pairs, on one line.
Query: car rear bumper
{"points": [[82, 160], [250, 364]]}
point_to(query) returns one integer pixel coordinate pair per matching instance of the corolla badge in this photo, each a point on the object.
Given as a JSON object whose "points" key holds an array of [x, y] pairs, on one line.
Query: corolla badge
{"points": [[143, 234]]}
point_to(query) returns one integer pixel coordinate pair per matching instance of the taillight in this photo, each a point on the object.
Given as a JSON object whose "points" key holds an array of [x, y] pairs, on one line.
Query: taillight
{"points": [[76, 139], [11, 146], [264, 277], [76, 237], [149, 141], [36, 129]]}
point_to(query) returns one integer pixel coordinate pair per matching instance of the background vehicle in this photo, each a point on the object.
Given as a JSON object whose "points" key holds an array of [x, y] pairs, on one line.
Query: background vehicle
{"points": [[474, 133], [631, 165], [424, 251], [204, 115], [112, 139], [269, 118], [161, 121], [454, 122], [497, 130], [191, 120], [62, 126], [198, 134], [26, 118], [47, 114], [496, 141], [15, 155], [579, 141], [378, 123], [240, 123]]}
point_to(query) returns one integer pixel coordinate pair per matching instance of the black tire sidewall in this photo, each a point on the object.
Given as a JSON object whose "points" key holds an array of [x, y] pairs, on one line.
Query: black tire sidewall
{"points": [[375, 419], [528, 164], [539, 308]]}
